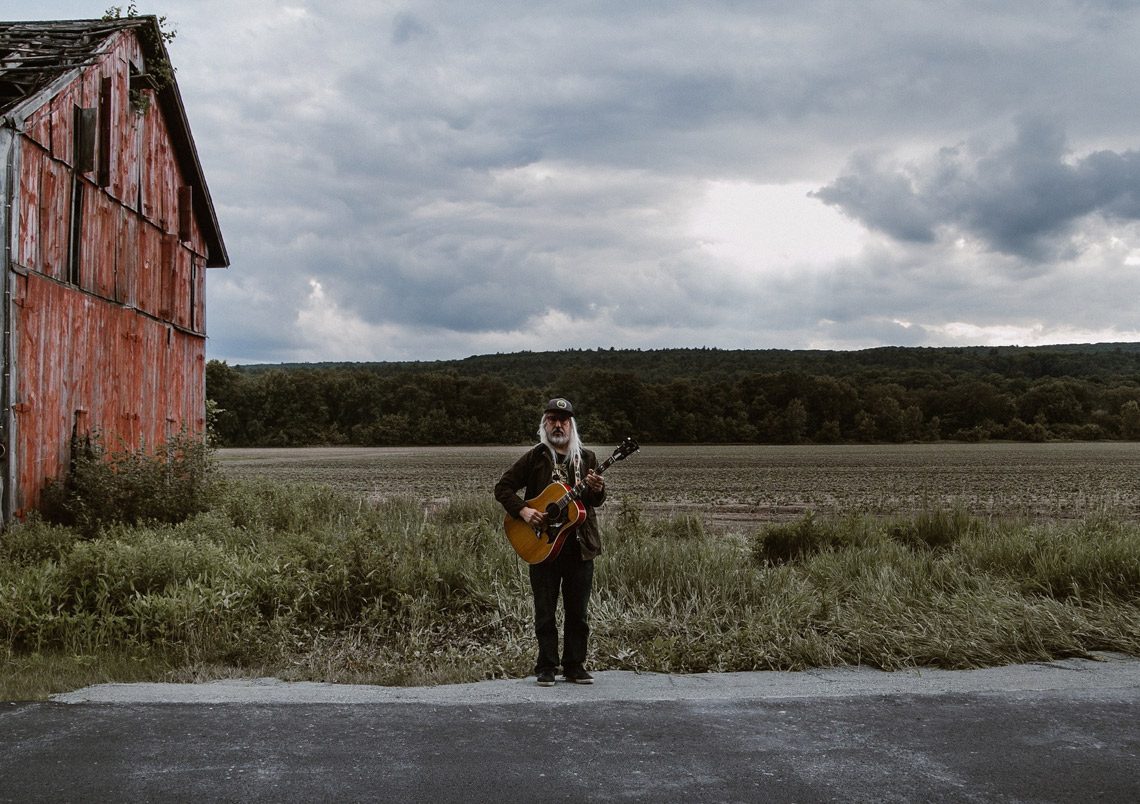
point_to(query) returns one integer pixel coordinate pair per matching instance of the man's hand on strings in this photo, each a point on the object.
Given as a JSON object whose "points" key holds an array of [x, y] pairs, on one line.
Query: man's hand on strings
{"points": [[533, 517]]}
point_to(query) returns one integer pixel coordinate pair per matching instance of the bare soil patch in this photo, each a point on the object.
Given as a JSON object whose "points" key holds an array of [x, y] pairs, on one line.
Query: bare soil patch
{"points": [[736, 487]]}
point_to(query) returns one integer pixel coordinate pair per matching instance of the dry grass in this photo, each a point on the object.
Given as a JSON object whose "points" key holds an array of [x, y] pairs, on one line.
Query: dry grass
{"points": [[418, 586]]}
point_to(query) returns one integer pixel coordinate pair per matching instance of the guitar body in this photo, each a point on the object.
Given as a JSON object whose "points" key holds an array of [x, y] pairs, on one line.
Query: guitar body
{"points": [[536, 546]]}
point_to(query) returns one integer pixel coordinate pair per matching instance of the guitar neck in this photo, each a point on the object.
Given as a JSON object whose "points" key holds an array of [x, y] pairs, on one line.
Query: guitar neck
{"points": [[580, 487]]}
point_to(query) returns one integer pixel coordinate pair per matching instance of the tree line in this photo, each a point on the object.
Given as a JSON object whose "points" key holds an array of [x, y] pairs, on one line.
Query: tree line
{"points": [[897, 394]]}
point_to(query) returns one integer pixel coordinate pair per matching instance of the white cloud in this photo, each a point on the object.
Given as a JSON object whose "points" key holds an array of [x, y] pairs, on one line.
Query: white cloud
{"points": [[329, 333], [772, 228], [961, 333]]}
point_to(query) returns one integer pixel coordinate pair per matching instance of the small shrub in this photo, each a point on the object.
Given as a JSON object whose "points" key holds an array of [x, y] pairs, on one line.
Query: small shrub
{"points": [[105, 574], [685, 526], [793, 541], [933, 530], [36, 541], [104, 487], [29, 605], [629, 516]]}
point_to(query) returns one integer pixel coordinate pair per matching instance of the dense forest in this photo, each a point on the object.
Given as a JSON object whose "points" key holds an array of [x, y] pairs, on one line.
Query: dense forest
{"points": [[895, 394]]}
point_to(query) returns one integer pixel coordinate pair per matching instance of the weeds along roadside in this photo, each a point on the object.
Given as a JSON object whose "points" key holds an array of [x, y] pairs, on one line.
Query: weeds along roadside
{"points": [[940, 589], [306, 583]]}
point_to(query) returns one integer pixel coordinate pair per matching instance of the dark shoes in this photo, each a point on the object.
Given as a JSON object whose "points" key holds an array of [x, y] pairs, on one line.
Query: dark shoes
{"points": [[573, 675], [546, 678], [578, 676]]}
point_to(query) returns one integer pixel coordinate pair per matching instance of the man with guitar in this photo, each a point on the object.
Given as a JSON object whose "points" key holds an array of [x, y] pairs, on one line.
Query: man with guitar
{"points": [[568, 565]]}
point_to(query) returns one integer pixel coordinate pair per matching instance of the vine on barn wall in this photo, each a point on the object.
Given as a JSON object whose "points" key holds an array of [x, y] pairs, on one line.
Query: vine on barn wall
{"points": [[160, 72]]}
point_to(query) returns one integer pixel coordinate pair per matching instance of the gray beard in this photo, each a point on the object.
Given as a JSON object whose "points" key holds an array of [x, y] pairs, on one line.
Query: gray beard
{"points": [[559, 440]]}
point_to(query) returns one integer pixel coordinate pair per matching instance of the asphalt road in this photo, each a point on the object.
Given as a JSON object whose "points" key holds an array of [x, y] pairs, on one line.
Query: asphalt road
{"points": [[1058, 732]]}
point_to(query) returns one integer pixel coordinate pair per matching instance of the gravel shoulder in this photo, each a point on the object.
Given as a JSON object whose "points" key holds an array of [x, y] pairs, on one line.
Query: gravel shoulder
{"points": [[1108, 673]]}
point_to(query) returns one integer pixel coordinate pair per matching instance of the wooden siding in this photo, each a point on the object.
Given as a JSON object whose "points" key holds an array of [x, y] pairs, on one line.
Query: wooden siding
{"points": [[124, 257], [122, 351], [82, 360]]}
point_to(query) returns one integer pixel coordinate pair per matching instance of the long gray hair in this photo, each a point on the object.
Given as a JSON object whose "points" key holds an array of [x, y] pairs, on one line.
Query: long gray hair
{"points": [[573, 447]]}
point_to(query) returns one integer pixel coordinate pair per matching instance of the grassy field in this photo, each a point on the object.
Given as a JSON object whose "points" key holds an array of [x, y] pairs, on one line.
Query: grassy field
{"points": [[393, 569], [737, 487]]}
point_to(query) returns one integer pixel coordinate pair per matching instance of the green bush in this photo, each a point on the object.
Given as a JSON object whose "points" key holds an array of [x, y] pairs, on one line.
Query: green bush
{"points": [[36, 541], [629, 520], [807, 536], [933, 529], [106, 574], [682, 526], [104, 487]]}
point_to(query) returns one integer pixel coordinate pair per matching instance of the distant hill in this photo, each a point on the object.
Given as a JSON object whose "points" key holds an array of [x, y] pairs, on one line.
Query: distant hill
{"points": [[1073, 360], [1071, 391]]}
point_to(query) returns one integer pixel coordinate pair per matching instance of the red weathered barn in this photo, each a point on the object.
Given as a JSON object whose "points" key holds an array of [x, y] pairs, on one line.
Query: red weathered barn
{"points": [[107, 229]]}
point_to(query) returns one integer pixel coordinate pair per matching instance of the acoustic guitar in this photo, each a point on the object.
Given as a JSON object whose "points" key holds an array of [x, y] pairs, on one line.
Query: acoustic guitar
{"points": [[564, 512]]}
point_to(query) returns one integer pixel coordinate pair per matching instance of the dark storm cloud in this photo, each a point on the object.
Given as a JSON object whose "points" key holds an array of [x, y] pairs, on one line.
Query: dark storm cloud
{"points": [[1023, 198]]}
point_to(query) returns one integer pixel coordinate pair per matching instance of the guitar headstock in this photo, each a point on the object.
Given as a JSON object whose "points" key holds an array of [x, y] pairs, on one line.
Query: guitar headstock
{"points": [[625, 449]]}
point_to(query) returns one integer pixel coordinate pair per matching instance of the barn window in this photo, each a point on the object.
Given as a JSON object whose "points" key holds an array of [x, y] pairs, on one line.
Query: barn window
{"points": [[75, 233], [185, 211], [83, 141], [194, 294], [103, 173]]}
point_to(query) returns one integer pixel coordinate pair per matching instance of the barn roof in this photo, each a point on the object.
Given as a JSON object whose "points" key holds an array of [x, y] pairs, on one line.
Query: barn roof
{"points": [[34, 56]]}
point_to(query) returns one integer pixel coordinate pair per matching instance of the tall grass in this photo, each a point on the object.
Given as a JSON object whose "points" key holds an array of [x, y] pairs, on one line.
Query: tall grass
{"points": [[306, 583]]}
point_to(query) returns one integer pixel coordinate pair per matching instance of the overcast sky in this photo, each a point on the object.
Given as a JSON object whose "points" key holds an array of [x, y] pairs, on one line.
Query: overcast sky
{"points": [[422, 179]]}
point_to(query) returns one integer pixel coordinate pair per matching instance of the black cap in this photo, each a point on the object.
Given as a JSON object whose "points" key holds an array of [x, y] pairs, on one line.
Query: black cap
{"points": [[559, 405]]}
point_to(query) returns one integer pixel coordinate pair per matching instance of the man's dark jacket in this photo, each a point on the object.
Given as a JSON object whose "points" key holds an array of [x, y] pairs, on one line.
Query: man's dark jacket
{"points": [[533, 472]]}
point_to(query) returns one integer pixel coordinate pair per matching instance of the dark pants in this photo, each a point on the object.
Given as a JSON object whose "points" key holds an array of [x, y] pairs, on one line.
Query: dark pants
{"points": [[574, 577]]}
